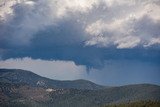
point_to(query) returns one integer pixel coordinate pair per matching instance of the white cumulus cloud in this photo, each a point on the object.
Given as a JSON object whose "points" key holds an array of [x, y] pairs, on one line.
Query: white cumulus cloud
{"points": [[119, 23], [126, 24]]}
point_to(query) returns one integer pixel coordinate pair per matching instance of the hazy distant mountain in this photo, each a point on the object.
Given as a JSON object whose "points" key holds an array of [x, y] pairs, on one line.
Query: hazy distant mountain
{"points": [[19, 88], [23, 76]]}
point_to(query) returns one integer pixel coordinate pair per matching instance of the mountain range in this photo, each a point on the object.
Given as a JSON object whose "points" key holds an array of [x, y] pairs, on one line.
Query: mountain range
{"points": [[21, 88], [32, 79]]}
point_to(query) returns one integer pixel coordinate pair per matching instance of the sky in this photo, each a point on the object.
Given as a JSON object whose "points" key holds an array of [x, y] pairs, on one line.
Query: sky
{"points": [[109, 42]]}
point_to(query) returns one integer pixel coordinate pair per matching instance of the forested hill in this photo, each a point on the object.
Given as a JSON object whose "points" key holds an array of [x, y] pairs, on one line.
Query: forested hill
{"points": [[32, 79], [19, 88]]}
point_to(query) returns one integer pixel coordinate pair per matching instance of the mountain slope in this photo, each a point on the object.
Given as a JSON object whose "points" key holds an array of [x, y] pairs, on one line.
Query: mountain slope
{"points": [[19, 88], [23, 76], [137, 104], [27, 96], [90, 98]]}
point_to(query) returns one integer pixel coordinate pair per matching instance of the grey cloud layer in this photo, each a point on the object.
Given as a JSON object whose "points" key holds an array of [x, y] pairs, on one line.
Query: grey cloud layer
{"points": [[102, 23], [87, 32]]}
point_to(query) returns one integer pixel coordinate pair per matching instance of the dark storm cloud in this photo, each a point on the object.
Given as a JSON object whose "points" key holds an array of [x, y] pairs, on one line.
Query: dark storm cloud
{"points": [[89, 56], [86, 32]]}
